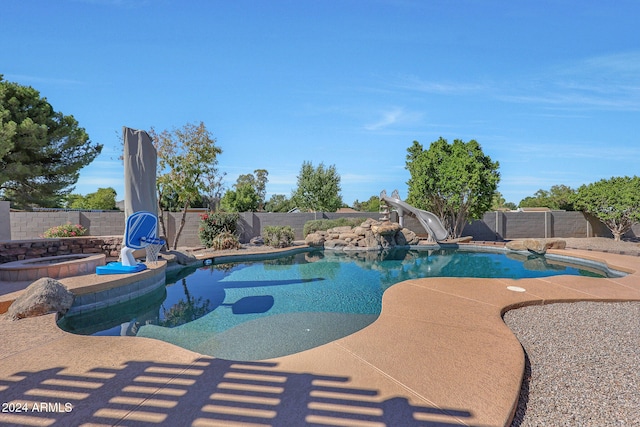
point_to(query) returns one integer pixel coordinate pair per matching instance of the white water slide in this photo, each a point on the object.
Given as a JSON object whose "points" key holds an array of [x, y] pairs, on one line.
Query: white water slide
{"points": [[429, 221]]}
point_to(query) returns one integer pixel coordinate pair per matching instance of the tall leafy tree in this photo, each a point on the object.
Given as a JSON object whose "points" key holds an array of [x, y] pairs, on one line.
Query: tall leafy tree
{"points": [[187, 160], [614, 201], [262, 177], [243, 198], [318, 188], [455, 181], [41, 150], [248, 193]]}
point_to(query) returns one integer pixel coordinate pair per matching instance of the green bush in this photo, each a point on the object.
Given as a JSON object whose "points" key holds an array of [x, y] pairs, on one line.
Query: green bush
{"points": [[216, 223], [225, 240], [66, 230], [325, 224], [278, 236]]}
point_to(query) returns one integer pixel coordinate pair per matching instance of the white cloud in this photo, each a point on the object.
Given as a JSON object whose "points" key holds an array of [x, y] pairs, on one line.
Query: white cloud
{"points": [[610, 82], [417, 84], [388, 118], [394, 116]]}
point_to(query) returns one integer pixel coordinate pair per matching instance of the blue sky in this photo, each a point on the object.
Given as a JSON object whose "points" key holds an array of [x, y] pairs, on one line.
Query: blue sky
{"points": [[550, 89]]}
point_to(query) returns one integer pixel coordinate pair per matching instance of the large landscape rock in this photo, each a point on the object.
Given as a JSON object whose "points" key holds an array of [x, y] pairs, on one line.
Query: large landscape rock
{"points": [[407, 237], [182, 257], [386, 228], [538, 246], [44, 296], [315, 240]]}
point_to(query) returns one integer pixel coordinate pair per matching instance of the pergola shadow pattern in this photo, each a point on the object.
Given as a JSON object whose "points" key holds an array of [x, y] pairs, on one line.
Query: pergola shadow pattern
{"points": [[208, 392]]}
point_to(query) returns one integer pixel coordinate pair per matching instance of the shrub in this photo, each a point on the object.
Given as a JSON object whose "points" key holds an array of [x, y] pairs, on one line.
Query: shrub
{"points": [[278, 236], [216, 223], [66, 230], [225, 240], [325, 224]]}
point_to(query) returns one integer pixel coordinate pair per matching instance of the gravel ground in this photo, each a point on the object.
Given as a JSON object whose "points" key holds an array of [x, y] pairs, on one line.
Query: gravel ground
{"points": [[582, 359], [583, 364], [603, 244]]}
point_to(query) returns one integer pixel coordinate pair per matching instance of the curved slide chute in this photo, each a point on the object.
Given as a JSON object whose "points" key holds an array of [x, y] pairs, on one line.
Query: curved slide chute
{"points": [[429, 221]]}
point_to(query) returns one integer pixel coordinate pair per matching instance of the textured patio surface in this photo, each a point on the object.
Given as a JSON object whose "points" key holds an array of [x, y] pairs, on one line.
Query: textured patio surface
{"points": [[439, 354]]}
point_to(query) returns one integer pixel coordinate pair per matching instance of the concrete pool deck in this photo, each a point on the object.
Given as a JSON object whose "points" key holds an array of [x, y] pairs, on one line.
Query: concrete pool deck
{"points": [[439, 354]]}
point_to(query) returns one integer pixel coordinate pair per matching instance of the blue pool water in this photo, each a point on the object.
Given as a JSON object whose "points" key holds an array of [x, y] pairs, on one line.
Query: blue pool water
{"points": [[261, 309]]}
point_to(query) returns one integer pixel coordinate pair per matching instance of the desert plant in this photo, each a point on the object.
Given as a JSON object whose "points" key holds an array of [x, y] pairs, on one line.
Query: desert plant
{"points": [[278, 236], [216, 223], [325, 224], [225, 240], [66, 230]]}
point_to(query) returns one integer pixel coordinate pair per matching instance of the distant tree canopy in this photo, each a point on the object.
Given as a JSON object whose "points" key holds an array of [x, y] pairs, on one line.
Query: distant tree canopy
{"points": [[371, 205], [248, 193], [278, 203], [318, 188], [559, 197], [260, 184], [103, 199], [614, 201], [499, 203], [455, 181], [41, 150]]}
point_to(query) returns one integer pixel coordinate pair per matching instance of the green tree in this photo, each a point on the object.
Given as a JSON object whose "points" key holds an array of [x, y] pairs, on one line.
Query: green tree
{"points": [[248, 194], [187, 160], [318, 188], [243, 198], [455, 181], [103, 199], [73, 201], [614, 201], [41, 150], [278, 203], [559, 197], [170, 202], [371, 205]]}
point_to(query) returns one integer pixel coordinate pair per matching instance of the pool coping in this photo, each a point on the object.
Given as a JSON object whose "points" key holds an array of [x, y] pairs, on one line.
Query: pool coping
{"points": [[439, 351]]}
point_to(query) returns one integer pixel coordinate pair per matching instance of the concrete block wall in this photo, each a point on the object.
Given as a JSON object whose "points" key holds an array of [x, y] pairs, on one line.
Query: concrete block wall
{"points": [[189, 234], [29, 225], [32, 225], [108, 223], [493, 226]]}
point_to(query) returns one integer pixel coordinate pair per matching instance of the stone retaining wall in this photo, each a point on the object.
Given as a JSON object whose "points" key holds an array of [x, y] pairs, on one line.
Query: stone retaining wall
{"points": [[18, 250]]}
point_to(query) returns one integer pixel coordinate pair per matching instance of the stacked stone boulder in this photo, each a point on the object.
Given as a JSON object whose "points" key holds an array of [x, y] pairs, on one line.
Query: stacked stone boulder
{"points": [[370, 235]]}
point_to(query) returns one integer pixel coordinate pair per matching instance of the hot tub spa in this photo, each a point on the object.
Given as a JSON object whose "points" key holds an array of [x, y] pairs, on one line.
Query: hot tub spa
{"points": [[55, 267]]}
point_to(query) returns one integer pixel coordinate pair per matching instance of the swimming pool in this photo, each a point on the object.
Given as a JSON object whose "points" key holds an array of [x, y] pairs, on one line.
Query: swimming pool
{"points": [[256, 310]]}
